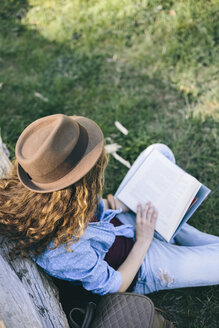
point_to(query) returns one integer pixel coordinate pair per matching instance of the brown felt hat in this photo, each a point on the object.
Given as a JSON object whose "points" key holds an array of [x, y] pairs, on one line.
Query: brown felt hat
{"points": [[55, 151]]}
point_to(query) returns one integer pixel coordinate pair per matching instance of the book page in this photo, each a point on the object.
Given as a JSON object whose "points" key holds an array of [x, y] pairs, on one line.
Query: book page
{"points": [[202, 193], [186, 192], [163, 183]]}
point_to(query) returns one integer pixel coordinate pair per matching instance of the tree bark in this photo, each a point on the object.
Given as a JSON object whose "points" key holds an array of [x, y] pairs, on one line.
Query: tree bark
{"points": [[28, 297]]}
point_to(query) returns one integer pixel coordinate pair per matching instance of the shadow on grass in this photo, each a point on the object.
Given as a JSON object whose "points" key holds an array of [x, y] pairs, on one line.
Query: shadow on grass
{"points": [[72, 82], [94, 85], [193, 307]]}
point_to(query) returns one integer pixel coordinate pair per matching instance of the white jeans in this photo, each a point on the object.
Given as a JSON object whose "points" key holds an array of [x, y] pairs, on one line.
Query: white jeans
{"points": [[194, 261]]}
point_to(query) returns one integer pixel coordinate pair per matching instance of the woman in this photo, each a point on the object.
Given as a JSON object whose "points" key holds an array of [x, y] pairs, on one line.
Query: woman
{"points": [[51, 206]]}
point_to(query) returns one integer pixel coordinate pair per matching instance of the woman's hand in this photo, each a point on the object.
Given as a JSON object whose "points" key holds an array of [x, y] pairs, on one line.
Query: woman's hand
{"points": [[145, 223], [121, 205], [114, 203]]}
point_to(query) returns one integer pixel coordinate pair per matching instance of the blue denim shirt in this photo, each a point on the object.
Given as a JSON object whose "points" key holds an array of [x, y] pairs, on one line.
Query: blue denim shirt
{"points": [[86, 263]]}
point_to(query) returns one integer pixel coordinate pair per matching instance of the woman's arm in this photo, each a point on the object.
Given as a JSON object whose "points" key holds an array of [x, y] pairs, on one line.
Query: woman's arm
{"points": [[145, 225]]}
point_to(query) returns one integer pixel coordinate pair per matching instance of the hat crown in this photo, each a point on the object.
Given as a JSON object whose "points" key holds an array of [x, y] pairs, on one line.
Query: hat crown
{"points": [[46, 143], [56, 151]]}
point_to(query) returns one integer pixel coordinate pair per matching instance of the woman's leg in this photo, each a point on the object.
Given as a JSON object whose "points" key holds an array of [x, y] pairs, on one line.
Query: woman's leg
{"points": [[190, 236], [168, 266]]}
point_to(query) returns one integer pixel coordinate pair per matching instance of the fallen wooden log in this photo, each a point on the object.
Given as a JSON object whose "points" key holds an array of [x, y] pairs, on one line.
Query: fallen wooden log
{"points": [[28, 297]]}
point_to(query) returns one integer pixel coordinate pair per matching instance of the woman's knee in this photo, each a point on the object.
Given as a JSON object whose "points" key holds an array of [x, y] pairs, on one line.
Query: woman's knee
{"points": [[162, 148]]}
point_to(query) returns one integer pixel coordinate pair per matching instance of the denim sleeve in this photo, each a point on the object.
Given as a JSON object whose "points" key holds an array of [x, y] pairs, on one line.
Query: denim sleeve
{"points": [[102, 278], [84, 264]]}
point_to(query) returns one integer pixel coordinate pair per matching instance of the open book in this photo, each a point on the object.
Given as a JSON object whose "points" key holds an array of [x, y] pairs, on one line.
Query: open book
{"points": [[174, 193]]}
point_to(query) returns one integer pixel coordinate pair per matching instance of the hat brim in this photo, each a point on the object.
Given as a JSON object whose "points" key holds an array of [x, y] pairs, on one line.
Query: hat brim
{"points": [[88, 160]]}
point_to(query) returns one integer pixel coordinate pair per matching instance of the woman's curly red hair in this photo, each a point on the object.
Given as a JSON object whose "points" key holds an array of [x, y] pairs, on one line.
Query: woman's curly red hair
{"points": [[32, 220]]}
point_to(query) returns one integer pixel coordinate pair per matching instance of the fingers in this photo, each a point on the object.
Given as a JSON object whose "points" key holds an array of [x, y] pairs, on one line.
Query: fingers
{"points": [[148, 213], [146, 210], [138, 213], [141, 215], [111, 201], [154, 218]]}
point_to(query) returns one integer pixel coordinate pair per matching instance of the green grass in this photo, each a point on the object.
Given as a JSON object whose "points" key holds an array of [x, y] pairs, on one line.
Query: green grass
{"points": [[152, 65]]}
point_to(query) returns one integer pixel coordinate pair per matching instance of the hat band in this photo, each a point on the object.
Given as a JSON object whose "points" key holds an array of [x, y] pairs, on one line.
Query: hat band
{"points": [[69, 163]]}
